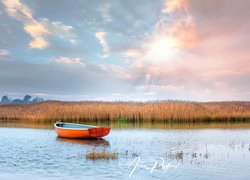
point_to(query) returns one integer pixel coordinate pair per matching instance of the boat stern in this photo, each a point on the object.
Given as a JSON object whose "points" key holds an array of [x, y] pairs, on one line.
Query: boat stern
{"points": [[99, 132]]}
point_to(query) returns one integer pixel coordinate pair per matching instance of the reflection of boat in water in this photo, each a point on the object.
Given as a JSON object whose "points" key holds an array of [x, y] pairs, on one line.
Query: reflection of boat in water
{"points": [[91, 141], [71, 130]]}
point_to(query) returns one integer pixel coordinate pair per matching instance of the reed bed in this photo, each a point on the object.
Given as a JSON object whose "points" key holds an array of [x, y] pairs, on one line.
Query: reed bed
{"points": [[153, 111], [103, 154]]}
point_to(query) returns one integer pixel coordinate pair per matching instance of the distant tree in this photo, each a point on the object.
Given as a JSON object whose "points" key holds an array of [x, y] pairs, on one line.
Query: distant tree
{"points": [[5, 100], [17, 101], [27, 99], [37, 99]]}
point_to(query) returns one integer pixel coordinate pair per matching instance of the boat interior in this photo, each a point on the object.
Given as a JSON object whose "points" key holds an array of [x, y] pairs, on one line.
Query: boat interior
{"points": [[68, 125]]}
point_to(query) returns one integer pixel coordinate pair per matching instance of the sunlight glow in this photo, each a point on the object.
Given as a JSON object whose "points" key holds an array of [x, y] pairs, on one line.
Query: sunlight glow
{"points": [[162, 49]]}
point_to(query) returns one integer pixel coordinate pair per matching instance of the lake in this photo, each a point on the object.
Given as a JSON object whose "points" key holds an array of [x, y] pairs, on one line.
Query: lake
{"points": [[146, 151]]}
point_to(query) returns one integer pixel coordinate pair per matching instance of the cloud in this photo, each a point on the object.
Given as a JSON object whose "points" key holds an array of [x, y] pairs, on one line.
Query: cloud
{"points": [[172, 35], [116, 94], [4, 53], [40, 30], [70, 60], [175, 5], [60, 30], [36, 30], [177, 49], [132, 53], [120, 72], [62, 81], [195, 51], [150, 93], [101, 36], [17, 10], [104, 10]]}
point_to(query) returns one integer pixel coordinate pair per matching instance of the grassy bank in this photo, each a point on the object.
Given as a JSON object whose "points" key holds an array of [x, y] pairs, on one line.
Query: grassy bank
{"points": [[155, 111]]}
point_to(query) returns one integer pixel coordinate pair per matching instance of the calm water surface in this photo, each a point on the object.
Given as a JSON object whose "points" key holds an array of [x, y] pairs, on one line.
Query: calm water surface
{"points": [[145, 152]]}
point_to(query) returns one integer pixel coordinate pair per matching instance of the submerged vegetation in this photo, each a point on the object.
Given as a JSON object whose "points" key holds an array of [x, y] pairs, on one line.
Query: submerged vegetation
{"points": [[153, 111], [103, 154]]}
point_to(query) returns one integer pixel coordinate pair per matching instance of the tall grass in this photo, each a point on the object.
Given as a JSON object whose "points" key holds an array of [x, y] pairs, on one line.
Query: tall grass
{"points": [[153, 111], [103, 154]]}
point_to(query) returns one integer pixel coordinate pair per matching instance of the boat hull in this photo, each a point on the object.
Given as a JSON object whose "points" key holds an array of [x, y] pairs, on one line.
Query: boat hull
{"points": [[80, 131]]}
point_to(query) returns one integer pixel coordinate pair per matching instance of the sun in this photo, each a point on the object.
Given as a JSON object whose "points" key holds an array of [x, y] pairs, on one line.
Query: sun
{"points": [[162, 49]]}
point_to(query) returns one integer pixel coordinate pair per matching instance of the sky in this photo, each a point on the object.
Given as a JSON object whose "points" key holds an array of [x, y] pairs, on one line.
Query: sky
{"points": [[196, 50]]}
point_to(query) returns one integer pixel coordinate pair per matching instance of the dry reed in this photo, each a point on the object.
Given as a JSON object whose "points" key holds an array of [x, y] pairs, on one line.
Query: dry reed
{"points": [[153, 111], [101, 155]]}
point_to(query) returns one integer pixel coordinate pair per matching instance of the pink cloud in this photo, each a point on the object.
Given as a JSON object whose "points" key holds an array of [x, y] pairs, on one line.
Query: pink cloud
{"points": [[213, 43], [39, 29], [70, 60]]}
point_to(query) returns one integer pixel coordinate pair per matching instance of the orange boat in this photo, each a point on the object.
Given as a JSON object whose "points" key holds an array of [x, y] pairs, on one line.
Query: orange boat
{"points": [[71, 130]]}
